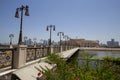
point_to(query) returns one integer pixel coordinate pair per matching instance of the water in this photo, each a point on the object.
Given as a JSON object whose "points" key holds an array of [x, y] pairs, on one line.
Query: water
{"points": [[101, 54], [96, 55]]}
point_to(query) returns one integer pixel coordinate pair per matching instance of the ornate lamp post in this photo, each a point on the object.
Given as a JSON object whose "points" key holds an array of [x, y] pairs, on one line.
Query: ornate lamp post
{"points": [[50, 27], [34, 39], [22, 8], [60, 34], [66, 39], [11, 37]]}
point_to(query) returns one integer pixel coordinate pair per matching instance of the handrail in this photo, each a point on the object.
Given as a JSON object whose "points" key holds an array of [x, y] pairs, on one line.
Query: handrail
{"points": [[6, 57]]}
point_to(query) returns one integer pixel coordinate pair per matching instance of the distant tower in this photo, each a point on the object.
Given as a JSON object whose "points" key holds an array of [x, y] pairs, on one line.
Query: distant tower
{"points": [[25, 40]]}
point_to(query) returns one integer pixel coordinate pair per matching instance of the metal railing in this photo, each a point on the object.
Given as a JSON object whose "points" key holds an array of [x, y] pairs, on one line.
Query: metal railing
{"points": [[32, 53], [6, 57], [6, 77], [56, 49], [6, 54], [35, 53]]}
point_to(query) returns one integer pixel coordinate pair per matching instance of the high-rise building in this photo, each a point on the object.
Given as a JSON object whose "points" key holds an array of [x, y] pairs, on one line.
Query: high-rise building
{"points": [[28, 42], [112, 43]]}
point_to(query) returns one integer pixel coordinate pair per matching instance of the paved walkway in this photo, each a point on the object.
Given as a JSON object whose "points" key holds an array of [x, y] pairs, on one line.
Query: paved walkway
{"points": [[67, 54]]}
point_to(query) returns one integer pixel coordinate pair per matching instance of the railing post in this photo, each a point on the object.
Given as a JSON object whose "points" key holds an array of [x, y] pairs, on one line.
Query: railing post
{"points": [[50, 49], [61, 48], [19, 58], [12, 63], [35, 57], [43, 51], [66, 48]]}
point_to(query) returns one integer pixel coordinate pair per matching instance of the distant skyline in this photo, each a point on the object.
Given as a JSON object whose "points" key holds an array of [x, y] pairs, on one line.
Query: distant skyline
{"points": [[88, 19]]}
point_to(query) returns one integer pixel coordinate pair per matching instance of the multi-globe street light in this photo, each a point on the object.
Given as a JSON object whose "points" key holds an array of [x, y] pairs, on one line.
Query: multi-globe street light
{"points": [[60, 34], [50, 27], [66, 38], [34, 39], [11, 37], [21, 9], [66, 41]]}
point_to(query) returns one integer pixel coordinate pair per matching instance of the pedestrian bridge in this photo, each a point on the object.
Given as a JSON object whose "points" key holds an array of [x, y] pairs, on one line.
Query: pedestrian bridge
{"points": [[23, 65], [30, 72]]}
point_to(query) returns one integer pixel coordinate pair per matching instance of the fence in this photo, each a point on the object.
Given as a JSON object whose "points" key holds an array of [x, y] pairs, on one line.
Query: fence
{"points": [[10, 57], [6, 57], [35, 53], [6, 62], [32, 53]]}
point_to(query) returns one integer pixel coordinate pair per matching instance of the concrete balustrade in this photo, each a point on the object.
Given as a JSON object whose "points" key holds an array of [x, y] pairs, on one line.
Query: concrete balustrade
{"points": [[32, 72], [19, 57], [32, 53]]}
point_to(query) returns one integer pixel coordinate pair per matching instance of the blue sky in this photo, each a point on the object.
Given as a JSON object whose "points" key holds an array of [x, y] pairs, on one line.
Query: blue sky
{"points": [[89, 19]]}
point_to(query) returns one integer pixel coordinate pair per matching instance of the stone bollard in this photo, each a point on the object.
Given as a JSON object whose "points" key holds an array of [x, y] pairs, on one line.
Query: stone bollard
{"points": [[19, 58]]}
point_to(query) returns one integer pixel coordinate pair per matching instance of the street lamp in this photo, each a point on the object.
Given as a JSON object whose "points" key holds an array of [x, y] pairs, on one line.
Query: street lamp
{"points": [[11, 36], [34, 39], [50, 27], [66, 40], [60, 34], [17, 16]]}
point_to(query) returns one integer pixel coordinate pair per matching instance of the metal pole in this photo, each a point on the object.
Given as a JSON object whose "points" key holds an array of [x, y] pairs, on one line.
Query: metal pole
{"points": [[20, 35], [60, 39], [50, 34], [10, 41], [60, 34]]}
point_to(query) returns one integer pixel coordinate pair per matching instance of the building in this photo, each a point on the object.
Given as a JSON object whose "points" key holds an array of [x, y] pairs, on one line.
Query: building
{"points": [[112, 43], [83, 43], [29, 42]]}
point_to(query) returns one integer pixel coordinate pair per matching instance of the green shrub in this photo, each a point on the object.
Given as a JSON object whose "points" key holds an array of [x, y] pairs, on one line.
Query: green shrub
{"points": [[72, 71]]}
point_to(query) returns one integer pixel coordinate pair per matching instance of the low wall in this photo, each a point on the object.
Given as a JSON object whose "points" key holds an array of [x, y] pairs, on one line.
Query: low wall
{"points": [[30, 72]]}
